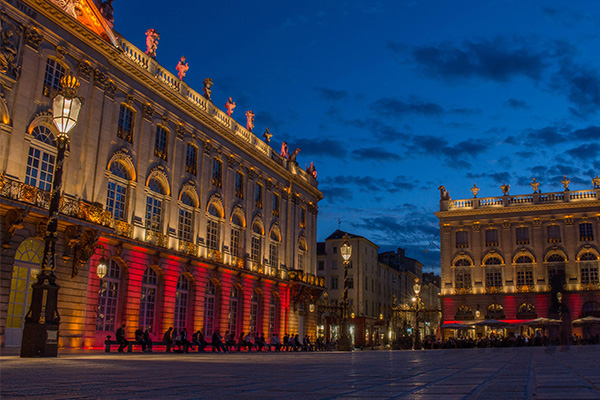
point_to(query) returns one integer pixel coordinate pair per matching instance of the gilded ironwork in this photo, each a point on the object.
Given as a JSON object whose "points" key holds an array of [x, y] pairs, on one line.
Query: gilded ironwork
{"points": [[123, 229], [157, 239]]}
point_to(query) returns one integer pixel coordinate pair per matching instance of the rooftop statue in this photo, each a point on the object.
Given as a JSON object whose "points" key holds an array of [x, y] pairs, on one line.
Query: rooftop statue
{"points": [[284, 150], [267, 135], [230, 105], [182, 68], [294, 154], [8, 50], [596, 182], [207, 88], [250, 120], [106, 9], [535, 185], [444, 194], [474, 190], [565, 182], [505, 189], [152, 42], [312, 170]]}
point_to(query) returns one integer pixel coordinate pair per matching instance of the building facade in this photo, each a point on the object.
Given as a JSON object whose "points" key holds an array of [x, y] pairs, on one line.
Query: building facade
{"points": [[203, 225], [509, 257]]}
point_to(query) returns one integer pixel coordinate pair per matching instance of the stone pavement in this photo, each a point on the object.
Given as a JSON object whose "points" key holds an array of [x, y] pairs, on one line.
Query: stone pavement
{"points": [[510, 373]]}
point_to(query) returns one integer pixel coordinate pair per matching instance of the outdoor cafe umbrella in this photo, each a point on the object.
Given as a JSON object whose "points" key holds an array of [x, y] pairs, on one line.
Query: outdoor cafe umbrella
{"points": [[586, 321], [542, 322], [454, 325], [492, 323]]}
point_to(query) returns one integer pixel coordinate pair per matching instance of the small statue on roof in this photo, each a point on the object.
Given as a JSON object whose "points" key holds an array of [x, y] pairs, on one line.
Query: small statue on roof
{"points": [[230, 105], [505, 189], [444, 194], [152, 42], [596, 182], [474, 190], [565, 182], [294, 154], [535, 185], [267, 135], [284, 150], [208, 82], [106, 9], [250, 120], [182, 68], [312, 170]]}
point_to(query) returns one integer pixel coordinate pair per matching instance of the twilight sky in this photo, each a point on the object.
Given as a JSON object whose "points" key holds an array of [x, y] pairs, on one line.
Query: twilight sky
{"points": [[391, 99]]}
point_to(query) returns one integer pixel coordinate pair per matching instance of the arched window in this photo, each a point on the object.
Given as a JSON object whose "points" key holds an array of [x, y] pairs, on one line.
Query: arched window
{"points": [[54, 73], [495, 311], [126, 123], [116, 195], [41, 158], [462, 274], [556, 270], [234, 308], [148, 298], [108, 298], [526, 311], [254, 311], [209, 308], [589, 269], [256, 245], [186, 218], [182, 295], [213, 231], [273, 307], [524, 271], [464, 313], [236, 235], [154, 205], [590, 309]]}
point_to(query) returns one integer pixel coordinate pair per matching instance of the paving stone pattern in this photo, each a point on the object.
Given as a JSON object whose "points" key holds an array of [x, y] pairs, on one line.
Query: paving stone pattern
{"points": [[511, 373]]}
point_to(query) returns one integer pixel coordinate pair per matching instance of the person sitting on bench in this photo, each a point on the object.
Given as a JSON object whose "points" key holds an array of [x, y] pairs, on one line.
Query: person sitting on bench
{"points": [[120, 336]]}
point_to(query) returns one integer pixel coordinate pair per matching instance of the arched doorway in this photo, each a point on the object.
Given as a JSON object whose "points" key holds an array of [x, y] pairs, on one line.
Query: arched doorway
{"points": [[25, 269]]}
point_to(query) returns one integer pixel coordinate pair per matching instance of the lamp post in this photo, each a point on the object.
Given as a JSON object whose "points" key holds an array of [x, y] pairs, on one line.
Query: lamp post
{"points": [[345, 342], [40, 334], [559, 297], [417, 300]]}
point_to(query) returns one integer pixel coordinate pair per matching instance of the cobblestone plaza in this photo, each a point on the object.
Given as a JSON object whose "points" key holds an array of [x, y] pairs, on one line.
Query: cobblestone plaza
{"points": [[503, 373]]}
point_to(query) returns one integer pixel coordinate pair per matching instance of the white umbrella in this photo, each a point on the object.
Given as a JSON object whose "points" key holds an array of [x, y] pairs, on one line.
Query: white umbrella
{"points": [[586, 321]]}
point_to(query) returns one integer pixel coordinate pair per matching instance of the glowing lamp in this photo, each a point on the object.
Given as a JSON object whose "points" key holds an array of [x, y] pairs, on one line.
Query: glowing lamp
{"points": [[311, 308], [417, 286], [66, 105], [346, 249], [102, 268]]}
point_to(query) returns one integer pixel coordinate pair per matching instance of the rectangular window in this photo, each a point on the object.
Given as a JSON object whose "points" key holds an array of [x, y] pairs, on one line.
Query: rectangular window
{"points": [[54, 73], [524, 276], [303, 217], [276, 204], [274, 255], [556, 273], [301, 261], [191, 159], [554, 234], [491, 237], [125, 128], [212, 235], [255, 250], [334, 265], [462, 278], [185, 225], [40, 169], [258, 195], [239, 185], [462, 240], [115, 200], [366, 283], [217, 175], [235, 242], [321, 266], [493, 277], [153, 214], [586, 232], [334, 282], [589, 274], [161, 143], [522, 235]]}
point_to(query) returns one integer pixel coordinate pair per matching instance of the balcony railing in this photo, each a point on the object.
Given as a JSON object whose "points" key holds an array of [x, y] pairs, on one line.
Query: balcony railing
{"points": [[188, 248], [493, 289], [155, 238], [525, 288], [301, 276]]}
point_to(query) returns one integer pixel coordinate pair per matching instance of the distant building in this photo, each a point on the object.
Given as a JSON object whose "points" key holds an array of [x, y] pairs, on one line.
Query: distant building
{"points": [[509, 257]]}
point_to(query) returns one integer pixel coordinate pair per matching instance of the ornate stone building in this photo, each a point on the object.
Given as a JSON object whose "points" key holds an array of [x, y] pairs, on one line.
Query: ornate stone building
{"points": [[204, 226], [509, 257]]}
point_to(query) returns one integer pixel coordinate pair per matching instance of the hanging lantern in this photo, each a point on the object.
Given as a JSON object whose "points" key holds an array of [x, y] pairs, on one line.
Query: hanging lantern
{"points": [[102, 268]]}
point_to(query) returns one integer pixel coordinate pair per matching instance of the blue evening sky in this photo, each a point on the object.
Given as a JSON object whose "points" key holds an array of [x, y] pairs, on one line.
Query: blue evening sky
{"points": [[391, 99]]}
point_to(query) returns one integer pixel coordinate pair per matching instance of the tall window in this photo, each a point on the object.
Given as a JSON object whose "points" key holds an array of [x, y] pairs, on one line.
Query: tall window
{"points": [[209, 308], [273, 316], [256, 245], [524, 271], [586, 232], [556, 270], [236, 233], [589, 268], [154, 202], [554, 233], [254, 300], [350, 282], [274, 249], [191, 159], [276, 204], [303, 217], [217, 174], [186, 218], [234, 306], [54, 73], [41, 158], [212, 228], [462, 274], [462, 239], [302, 248], [108, 298], [491, 237], [116, 195], [126, 119], [258, 195], [493, 276], [522, 234], [148, 298], [161, 142], [334, 282], [239, 185], [182, 295]]}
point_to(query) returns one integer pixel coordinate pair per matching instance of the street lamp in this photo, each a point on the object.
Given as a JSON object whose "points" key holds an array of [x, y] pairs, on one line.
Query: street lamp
{"points": [[559, 297], [40, 334], [345, 342], [417, 301]]}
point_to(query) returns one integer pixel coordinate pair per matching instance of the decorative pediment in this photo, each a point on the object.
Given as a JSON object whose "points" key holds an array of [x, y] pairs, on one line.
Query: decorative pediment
{"points": [[86, 12]]}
